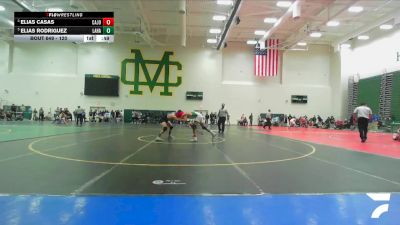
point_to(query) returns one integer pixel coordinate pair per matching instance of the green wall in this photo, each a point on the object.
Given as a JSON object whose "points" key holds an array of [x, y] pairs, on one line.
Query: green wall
{"points": [[369, 92], [396, 96]]}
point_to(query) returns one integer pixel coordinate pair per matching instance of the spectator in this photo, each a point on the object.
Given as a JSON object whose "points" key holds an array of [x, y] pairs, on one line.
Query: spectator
{"points": [[380, 124], [41, 114], [396, 136], [145, 118], [251, 119], [292, 122], [13, 110], [288, 119], [207, 118], [243, 120], [63, 118], [213, 118], [113, 115], [68, 114], [34, 116], [303, 121], [313, 119], [134, 117], [94, 114], [57, 113], [75, 116], [22, 108], [2, 114], [9, 115], [281, 120]]}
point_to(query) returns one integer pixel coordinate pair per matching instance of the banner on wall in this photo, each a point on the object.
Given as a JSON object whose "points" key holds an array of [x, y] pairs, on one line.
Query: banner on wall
{"points": [[142, 77]]}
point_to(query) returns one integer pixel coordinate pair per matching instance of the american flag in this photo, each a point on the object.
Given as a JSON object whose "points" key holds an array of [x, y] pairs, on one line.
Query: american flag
{"points": [[266, 61]]}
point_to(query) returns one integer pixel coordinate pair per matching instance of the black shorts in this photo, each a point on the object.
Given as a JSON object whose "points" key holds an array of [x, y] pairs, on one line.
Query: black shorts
{"points": [[165, 119], [193, 125]]}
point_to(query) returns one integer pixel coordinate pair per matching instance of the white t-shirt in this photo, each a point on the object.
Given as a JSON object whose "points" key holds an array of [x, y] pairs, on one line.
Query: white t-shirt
{"points": [[363, 111], [223, 113], [197, 117]]}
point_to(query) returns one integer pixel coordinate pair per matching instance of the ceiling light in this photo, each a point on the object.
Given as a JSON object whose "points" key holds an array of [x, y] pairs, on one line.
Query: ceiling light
{"points": [[333, 23], [251, 42], [211, 41], [356, 9], [345, 45], [363, 37], [224, 2], [54, 10], [302, 44], [215, 31], [284, 4], [298, 49], [270, 20], [386, 27], [2, 8], [219, 18], [315, 34], [259, 32]]}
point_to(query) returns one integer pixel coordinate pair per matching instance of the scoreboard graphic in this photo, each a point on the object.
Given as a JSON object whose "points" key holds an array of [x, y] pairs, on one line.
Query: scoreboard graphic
{"points": [[64, 26]]}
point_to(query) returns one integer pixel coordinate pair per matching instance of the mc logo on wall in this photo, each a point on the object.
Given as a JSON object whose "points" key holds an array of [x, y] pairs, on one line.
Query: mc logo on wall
{"points": [[157, 80]]}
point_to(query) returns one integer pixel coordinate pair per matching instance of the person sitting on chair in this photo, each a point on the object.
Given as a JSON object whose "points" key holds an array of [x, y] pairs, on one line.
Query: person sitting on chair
{"points": [[396, 136], [292, 122], [9, 116], [2, 115]]}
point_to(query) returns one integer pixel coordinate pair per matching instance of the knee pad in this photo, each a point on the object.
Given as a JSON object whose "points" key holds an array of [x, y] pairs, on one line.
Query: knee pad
{"points": [[164, 129], [171, 127]]}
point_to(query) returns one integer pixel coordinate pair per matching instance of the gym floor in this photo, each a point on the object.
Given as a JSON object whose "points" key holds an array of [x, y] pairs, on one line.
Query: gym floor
{"points": [[123, 160]]}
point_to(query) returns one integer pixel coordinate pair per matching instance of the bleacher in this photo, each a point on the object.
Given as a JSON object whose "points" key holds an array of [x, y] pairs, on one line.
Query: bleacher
{"points": [[20, 114], [147, 116]]}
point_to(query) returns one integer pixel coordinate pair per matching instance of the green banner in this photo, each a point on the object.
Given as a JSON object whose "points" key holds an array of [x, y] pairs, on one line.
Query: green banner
{"points": [[141, 64]]}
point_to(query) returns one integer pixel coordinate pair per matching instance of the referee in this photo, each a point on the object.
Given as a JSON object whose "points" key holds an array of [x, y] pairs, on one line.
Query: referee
{"points": [[222, 114], [268, 117], [79, 115], [363, 113]]}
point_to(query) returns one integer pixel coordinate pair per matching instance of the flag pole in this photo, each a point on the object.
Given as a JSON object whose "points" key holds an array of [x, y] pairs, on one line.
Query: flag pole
{"points": [[280, 66]]}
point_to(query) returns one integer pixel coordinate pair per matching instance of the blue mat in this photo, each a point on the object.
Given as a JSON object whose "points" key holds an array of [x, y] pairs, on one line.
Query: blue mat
{"points": [[335, 209]]}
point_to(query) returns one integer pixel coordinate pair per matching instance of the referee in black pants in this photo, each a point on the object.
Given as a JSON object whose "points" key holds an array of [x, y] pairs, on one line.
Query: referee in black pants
{"points": [[79, 115], [363, 114], [222, 114]]}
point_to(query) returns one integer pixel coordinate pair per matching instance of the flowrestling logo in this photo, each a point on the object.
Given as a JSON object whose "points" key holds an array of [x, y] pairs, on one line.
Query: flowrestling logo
{"points": [[380, 197]]}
